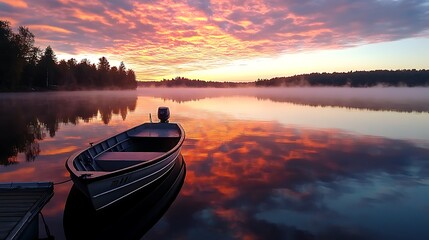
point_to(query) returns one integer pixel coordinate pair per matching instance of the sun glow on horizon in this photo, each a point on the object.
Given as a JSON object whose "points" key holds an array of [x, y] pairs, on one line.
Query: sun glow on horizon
{"points": [[361, 58]]}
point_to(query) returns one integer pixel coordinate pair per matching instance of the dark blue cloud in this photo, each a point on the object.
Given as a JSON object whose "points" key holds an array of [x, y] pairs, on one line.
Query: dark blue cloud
{"points": [[202, 5], [124, 4], [5, 8]]}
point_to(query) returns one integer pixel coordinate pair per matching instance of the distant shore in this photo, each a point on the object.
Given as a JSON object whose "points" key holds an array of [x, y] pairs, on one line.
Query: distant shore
{"points": [[392, 78], [376, 78]]}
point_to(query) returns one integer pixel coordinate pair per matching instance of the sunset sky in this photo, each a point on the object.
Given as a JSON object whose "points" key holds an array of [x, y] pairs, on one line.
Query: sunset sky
{"points": [[230, 40]]}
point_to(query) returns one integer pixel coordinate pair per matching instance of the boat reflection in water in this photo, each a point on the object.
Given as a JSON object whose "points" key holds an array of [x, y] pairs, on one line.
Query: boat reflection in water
{"points": [[129, 218]]}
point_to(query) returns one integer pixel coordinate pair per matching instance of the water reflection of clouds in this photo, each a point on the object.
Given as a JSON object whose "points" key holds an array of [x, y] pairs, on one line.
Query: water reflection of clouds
{"points": [[281, 179]]}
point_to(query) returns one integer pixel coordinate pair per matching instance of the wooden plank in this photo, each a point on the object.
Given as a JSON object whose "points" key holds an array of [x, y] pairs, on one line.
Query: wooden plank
{"points": [[20, 203]]}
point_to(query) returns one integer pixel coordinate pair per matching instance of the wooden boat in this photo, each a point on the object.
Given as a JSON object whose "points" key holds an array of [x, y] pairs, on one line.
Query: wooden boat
{"points": [[20, 204], [131, 218], [116, 167]]}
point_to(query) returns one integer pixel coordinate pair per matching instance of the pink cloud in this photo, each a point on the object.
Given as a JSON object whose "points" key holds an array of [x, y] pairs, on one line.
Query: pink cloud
{"points": [[161, 37]]}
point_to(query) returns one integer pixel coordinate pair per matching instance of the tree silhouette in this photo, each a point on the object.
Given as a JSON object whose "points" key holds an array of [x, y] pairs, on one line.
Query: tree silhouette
{"points": [[17, 52], [25, 67], [7, 54], [103, 68], [122, 75], [47, 69]]}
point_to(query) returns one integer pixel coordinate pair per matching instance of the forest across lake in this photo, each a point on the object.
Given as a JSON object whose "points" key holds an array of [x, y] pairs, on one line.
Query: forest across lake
{"points": [[391, 78]]}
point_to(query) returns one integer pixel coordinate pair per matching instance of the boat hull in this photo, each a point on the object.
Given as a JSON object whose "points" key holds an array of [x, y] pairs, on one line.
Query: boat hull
{"points": [[130, 218], [109, 190]]}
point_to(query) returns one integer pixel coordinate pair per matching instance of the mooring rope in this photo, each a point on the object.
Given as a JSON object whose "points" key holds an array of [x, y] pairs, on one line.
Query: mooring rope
{"points": [[48, 233], [56, 183]]}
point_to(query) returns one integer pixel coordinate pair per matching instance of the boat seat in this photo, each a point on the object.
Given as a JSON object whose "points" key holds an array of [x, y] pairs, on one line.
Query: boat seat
{"points": [[147, 133], [111, 161]]}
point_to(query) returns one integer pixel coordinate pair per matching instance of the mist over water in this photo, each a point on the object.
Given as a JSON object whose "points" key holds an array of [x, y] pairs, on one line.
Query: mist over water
{"points": [[375, 98]]}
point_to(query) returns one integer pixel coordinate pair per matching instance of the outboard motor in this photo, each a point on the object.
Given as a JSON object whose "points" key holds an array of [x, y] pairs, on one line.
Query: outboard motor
{"points": [[163, 114]]}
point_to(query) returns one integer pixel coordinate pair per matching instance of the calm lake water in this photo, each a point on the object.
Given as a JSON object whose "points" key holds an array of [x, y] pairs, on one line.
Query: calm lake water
{"points": [[281, 163]]}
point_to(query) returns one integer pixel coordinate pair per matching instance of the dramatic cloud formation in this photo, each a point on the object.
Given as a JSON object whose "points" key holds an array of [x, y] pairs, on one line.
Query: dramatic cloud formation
{"points": [[160, 38]]}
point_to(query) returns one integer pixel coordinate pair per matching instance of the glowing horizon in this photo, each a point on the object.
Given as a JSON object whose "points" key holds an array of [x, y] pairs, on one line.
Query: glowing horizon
{"points": [[226, 41]]}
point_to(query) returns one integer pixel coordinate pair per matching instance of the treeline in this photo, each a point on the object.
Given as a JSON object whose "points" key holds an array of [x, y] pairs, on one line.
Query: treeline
{"points": [[396, 78], [25, 67], [185, 82]]}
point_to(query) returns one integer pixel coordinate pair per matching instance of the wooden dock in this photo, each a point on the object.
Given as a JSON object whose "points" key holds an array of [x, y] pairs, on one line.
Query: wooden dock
{"points": [[20, 204]]}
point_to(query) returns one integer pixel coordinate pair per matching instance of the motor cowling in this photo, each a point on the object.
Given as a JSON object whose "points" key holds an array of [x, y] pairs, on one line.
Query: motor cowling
{"points": [[163, 114]]}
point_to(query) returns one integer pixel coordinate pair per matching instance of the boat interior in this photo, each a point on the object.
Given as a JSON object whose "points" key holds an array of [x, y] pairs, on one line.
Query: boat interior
{"points": [[144, 143]]}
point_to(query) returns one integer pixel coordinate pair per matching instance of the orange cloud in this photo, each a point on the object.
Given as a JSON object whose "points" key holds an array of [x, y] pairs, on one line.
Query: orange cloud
{"points": [[87, 16], [16, 3], [48, 28], [87, 30]]}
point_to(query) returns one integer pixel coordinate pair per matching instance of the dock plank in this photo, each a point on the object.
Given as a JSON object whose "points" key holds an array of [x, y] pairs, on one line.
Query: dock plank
{"points": [[20, 203]]}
